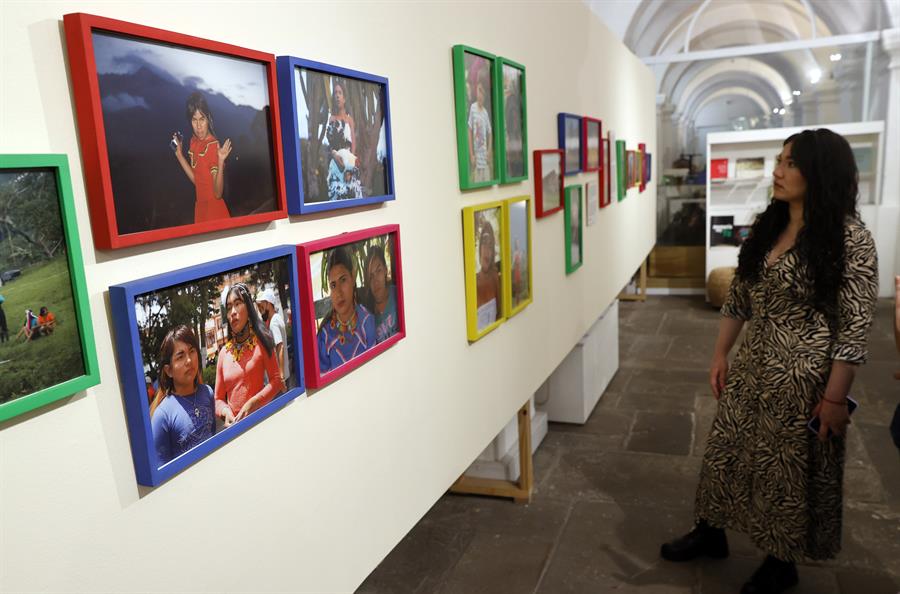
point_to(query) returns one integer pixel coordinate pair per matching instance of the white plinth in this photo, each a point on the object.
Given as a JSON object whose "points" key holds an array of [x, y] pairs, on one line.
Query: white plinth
{"points": [[500, 460], [575, 387]]}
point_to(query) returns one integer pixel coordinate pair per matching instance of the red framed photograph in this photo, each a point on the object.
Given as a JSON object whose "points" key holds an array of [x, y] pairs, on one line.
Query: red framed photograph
{"points": [[640, 169], [179, 135], [718, 169], [548, 181], [351, 300], [591, 147]]}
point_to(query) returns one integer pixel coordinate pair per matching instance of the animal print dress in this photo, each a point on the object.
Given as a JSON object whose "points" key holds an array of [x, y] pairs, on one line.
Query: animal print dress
{"points": [[764, 472]]}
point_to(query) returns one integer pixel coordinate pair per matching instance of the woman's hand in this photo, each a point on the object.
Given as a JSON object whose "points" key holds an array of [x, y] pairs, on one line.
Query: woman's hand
{"points": [[832, 416], [718, 373], [338, 159], [224, 150], [245, 410], [176, 140], [228, 417]]}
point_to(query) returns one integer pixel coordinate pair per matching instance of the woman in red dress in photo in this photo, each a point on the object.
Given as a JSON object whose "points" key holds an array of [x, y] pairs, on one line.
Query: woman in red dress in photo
{"points": [[205, 165]]}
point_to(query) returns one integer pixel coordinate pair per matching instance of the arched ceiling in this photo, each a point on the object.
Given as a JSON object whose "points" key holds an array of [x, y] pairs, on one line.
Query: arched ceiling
{"points": [[660, 27]]}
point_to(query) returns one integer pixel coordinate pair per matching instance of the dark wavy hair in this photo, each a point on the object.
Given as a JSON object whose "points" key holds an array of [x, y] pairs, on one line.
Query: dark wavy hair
{"points": [[827, 164], [166, 384], [340, 256], [197, 102], [256, 323]]}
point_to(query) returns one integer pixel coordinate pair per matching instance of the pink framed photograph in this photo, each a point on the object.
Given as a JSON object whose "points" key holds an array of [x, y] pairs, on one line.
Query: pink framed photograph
{"points": [[179, 135], [605, 177], [548, 181], [351, 300], [591, 146]]}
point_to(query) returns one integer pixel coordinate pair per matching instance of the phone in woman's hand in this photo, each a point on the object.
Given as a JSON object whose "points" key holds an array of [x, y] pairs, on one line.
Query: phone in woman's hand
{"points": [[176, 141], [814, 423]]}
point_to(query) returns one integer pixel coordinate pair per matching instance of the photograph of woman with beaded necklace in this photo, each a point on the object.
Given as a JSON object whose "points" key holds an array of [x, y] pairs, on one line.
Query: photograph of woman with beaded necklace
{"points": [[246, 359]]}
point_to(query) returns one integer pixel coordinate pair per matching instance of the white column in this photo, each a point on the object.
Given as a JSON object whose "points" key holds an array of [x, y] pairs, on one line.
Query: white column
{"points": [[889, 209]]}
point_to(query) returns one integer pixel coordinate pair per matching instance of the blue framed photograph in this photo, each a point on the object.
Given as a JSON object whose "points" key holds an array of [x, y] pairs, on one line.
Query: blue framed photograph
{"points": [[569, 135], [204, 354], [336, 127]]}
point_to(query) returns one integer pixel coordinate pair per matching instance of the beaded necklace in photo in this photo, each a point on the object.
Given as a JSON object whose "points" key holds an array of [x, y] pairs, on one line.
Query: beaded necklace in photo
{"points": [[237, 349], [344, 327]]}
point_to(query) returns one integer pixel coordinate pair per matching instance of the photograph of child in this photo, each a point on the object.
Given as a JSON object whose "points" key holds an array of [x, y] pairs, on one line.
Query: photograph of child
{"points": [[488, 266], [210, 358], [343, 148], [573, 220], [355, 299], [188, 133], [551, 172], [573, 144], [36, 297], [513, 120], [480, 115], [593, 145], [520, 263]]}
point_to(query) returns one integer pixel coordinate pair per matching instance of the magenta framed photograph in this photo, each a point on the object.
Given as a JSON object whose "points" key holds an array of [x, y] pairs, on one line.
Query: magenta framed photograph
{"points": [[351, 300]]}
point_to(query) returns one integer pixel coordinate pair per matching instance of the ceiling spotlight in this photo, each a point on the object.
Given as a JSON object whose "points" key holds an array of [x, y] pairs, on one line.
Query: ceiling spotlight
{"points": [[796, 93], [774, 110], [835, 57], [789, 101], [781, 111], [815, 75]]}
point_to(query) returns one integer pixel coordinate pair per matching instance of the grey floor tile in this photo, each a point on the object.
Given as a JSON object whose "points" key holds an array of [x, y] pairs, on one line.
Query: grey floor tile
{"points": [[499, 562], [662, 433]]}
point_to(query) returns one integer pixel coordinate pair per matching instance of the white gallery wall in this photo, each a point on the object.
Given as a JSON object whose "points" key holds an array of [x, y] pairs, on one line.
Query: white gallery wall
{"points": [[311, 499]]}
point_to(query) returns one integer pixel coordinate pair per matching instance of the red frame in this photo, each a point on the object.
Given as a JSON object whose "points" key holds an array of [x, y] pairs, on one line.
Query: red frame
{"points": [[314, 378], [718, 169], [86, 91], [538, 186], [605, 181], [584, 143], [642, 181]]}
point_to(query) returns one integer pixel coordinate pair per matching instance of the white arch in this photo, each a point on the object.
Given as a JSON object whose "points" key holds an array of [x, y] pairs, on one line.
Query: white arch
{"points": [[810, 13], [741, 65], [692, 112]]}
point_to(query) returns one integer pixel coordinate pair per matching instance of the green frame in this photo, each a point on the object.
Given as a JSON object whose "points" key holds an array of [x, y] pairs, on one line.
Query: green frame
{"points": [[573, 198], [462, 128], [505, 178], [91, 376], [621, 170]]}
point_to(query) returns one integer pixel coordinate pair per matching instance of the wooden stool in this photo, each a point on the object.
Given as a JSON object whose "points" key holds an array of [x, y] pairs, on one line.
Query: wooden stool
{"points": [[717, 285]]}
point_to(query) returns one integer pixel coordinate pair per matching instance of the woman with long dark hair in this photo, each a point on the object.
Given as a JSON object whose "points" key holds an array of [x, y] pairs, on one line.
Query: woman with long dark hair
{"points": [[348, 329], [807, 283], [246, 360], [181, 414], [205, 165]]}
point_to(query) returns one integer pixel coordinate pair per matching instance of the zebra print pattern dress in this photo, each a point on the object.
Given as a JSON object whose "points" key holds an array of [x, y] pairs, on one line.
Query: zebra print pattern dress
{"points": [[764, 472]]}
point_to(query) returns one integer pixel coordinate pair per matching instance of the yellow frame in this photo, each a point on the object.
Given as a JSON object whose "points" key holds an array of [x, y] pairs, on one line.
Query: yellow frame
{"points": [[509, 311], [469, 256]]}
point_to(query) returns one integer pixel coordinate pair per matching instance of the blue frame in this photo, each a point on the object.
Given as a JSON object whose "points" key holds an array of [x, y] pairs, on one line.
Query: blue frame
{"points": [[131, 365], [293, 167], [561, 137]]}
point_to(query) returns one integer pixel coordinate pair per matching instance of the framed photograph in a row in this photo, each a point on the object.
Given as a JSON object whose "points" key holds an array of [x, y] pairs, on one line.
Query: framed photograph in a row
{"points": [[491, 118]]}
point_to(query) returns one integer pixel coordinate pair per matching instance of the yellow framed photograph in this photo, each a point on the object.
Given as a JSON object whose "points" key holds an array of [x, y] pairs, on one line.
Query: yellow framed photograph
{"points": [[517, 278], [486, 255]]}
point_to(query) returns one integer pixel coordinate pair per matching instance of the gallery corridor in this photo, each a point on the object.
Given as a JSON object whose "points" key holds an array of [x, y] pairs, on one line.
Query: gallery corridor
{"points": [[609, 492]]}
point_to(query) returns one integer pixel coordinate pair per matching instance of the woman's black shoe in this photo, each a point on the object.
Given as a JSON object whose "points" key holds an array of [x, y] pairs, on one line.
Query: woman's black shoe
{"points": [[773, 577], [704, 540]]}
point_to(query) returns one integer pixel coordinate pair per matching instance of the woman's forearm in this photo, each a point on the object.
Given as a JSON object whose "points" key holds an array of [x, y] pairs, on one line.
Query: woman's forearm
{"points": [[184, 165], [839, 380], [729, 329]]}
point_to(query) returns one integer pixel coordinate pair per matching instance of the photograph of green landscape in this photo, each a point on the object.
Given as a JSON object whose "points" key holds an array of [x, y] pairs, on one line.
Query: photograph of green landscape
{"points": [[40, 342]]}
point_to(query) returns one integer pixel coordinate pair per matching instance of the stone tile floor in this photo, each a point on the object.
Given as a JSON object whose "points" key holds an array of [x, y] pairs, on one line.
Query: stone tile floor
{"points": [[610, 491]]}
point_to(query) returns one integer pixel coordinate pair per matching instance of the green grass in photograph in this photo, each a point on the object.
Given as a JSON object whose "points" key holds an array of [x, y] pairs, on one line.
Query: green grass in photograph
{"points": [[29, 366]]}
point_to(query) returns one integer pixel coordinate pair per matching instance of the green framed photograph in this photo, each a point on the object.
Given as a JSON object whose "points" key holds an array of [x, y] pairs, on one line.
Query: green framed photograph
{"points": [[476, 93], [572, 219], [46, 339], [512, 121], [621, 170]]}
